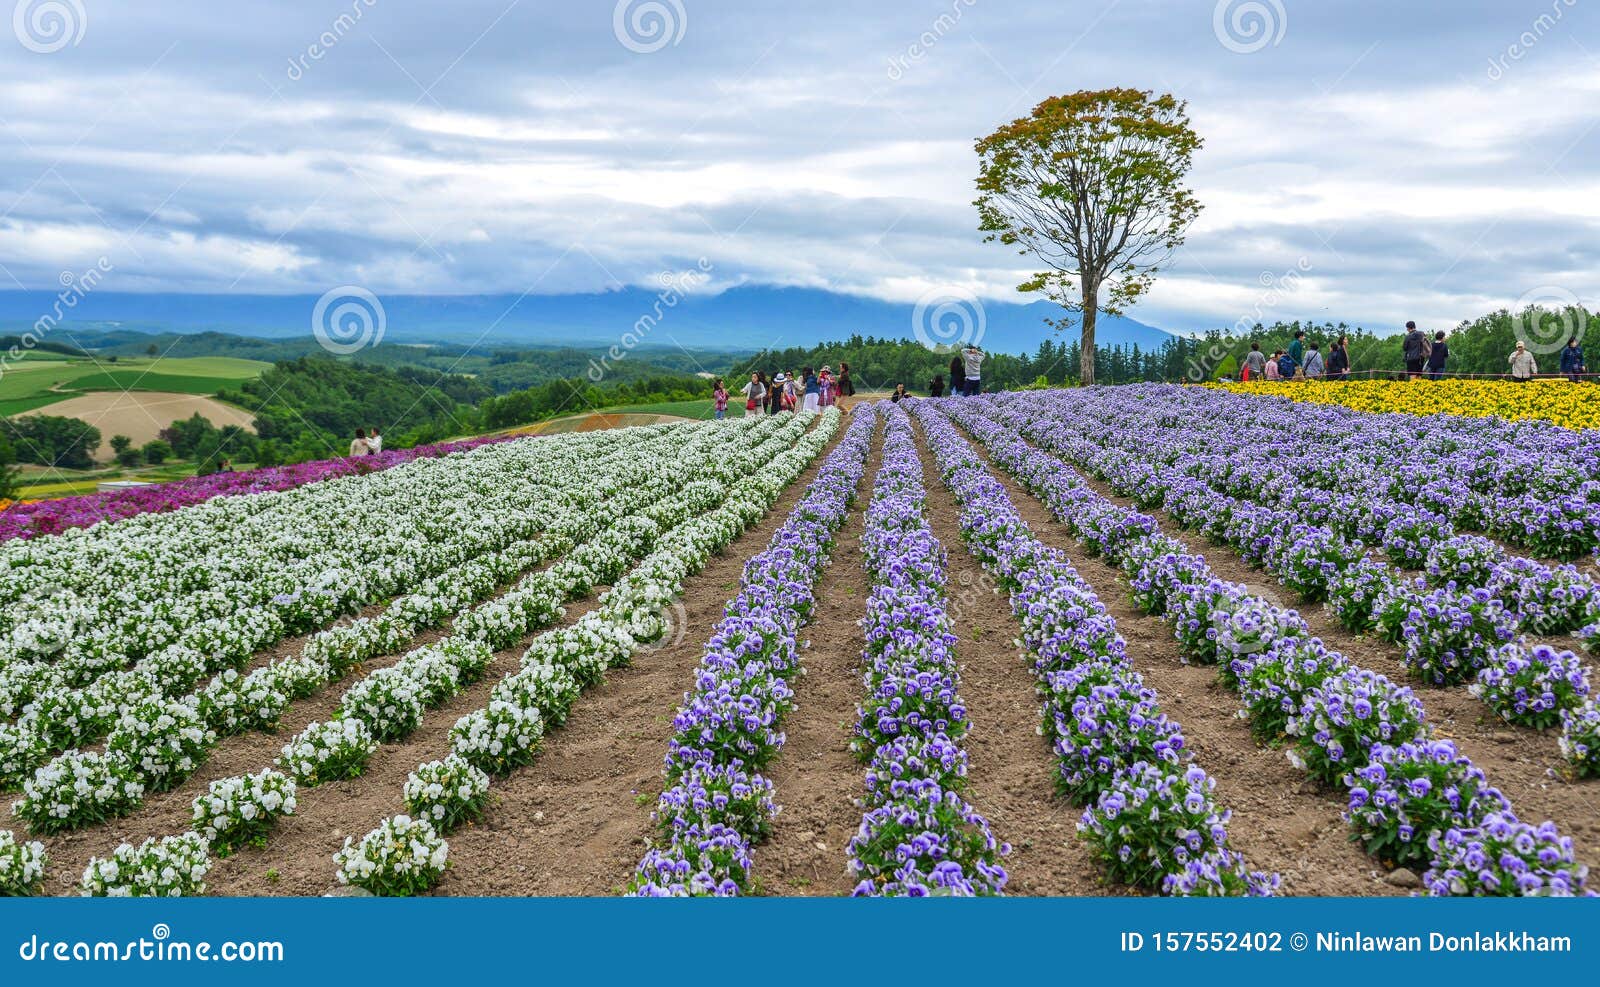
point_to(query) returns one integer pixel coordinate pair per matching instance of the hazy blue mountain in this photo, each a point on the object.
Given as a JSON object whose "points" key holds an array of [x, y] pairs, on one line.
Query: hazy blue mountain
{"points": [[745, 318]]}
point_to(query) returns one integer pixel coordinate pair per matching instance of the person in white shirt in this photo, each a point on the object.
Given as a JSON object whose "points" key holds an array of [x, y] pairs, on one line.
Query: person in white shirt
{"points": [[374, 442], [973, 364]]}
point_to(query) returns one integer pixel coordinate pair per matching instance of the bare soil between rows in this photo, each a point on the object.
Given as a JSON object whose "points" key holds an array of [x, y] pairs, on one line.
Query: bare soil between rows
{"points": [[1524, 764]]}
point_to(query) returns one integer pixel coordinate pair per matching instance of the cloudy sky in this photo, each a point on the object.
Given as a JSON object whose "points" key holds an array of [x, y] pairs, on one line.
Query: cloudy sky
{"points": [[1370, 161]]}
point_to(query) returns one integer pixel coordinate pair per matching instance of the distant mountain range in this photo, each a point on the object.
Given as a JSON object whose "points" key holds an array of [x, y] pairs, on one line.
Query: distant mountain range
{"points": [[745, 319]]}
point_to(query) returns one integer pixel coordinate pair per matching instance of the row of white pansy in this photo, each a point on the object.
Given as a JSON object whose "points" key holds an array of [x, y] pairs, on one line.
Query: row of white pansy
{"points": [[84, 615], [94, 604], [78, 789], [407, 854], [61, 717], [242, 809], [232, 703]]}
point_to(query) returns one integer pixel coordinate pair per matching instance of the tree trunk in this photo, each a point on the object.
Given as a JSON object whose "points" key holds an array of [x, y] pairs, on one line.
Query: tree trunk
{"points": [[1091, 302]]}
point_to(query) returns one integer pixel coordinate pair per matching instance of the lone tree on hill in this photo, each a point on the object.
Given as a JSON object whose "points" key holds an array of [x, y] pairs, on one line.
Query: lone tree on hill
{"points": [[1090, 184]]}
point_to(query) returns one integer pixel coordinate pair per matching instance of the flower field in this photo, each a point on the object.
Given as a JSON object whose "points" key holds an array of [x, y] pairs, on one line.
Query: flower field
{"points": [[1136, 640], [1554, 400]]}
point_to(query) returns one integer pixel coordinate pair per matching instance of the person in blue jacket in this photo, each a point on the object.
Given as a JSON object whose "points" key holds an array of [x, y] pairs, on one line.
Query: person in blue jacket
{"points": [[1572, 360], [1286, 367]]}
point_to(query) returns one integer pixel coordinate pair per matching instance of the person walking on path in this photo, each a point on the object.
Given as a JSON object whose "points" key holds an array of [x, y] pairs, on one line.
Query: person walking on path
{"points": [[1414, 348], [753, 392], [825, 388], [957, 372], [1272, 367], [1572, 360], [1255, 363], [1523, 366], [1287, 365], [974, 370], [1438, 356], [1314, 365], [1339, 359], [358, 445], [719, 398], [1297, 347]]}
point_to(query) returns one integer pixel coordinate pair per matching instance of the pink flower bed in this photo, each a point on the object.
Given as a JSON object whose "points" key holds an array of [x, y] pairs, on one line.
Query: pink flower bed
{"points": [[51, 516]]}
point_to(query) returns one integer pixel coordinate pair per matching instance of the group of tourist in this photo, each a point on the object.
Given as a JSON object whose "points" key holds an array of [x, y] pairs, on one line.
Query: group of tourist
{"points": [[1300, 360], [804, 390], [366, 443], [769, 394], [1424, 359]]}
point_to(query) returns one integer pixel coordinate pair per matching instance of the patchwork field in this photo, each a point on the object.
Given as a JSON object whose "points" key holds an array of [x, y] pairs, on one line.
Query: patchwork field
{"points": [[39, 380], [1041, 643], [141, 415]]}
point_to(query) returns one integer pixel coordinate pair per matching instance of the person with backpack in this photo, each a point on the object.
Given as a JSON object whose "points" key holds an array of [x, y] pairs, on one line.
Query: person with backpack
{"points": [[1287, 365], [1314, 364], [1414, 349], [1438, 356], [1572, 360], [1255, 363]]}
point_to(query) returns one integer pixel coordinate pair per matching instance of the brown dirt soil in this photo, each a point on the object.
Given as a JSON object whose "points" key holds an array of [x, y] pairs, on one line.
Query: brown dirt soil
{"points": [[577, 820], [141, 415], [504, 853], [1012, 771], [1524, 764], [818, 779], [1282, 821]]}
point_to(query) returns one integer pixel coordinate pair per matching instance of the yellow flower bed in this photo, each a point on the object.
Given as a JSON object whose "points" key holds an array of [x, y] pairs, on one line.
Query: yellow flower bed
{"points": [[1557, 400]]}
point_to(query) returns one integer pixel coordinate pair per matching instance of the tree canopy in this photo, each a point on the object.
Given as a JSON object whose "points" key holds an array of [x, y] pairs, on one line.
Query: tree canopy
{"points": [[1090, 185]]}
